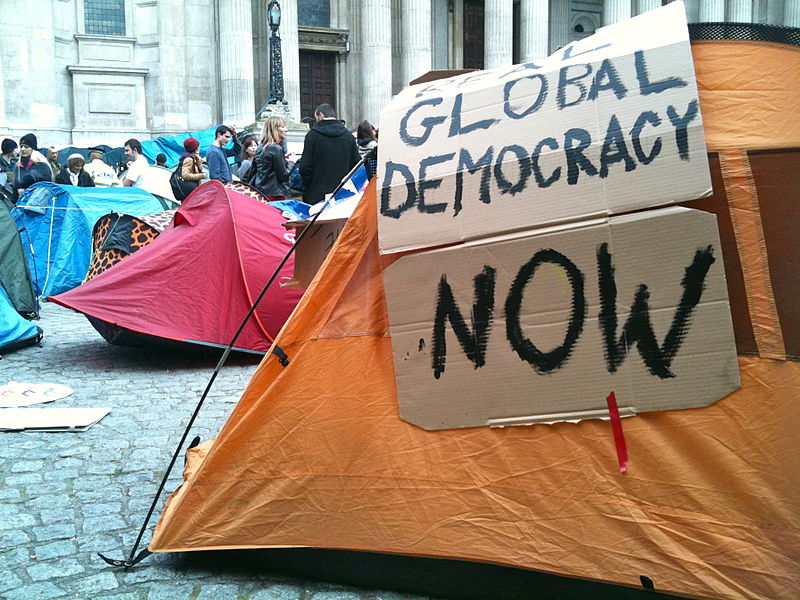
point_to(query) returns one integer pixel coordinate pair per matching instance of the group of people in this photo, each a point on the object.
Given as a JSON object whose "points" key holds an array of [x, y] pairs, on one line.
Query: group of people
{"points": [[23, 164], [330, 151]]}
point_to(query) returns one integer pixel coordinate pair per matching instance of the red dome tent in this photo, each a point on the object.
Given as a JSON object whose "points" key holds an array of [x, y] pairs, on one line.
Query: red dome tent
{"points": [[198, 279]]}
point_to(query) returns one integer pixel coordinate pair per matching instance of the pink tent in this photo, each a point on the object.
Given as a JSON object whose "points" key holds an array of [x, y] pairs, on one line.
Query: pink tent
{"points": [[197, 280]]}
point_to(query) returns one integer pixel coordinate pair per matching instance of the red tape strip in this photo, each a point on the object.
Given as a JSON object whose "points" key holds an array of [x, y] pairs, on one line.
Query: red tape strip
{"points": [[619, 437]]}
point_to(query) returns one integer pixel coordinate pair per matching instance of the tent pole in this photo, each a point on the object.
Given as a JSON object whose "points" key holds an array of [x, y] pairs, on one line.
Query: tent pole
{"points": [[133, 558]]}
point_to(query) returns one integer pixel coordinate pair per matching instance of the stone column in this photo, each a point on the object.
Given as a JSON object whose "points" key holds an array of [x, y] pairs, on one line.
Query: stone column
{"points": [[712, 11], [643, 6], [236, 62], [291, 58], [498, 33], [533, 29], [457, 35], [692, 10], [615, 11], [376, 80], [740, 11], [791, 13], [560, 33], [416, 39]]}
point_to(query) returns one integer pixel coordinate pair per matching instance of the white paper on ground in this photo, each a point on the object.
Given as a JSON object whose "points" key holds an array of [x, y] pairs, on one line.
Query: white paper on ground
{"points": [[50, 419], [17, 393]]}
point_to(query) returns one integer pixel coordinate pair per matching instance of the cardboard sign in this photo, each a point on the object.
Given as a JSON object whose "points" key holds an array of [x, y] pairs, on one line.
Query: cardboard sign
{"points": [[314, 249], [540, 328], [608, 124]]}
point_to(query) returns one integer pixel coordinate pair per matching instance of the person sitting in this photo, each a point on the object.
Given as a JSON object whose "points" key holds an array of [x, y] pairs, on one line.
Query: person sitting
{"points": [[101, 173], [74, 174], [161, 160], [269, 171]]}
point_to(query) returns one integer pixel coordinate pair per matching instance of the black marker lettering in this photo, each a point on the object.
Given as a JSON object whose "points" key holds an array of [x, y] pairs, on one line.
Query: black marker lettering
{"points": [[653, 87], [428, 123], [474, 341], [534, 106], [567, 54], [576, 160], [411, 190], [680, 123], [606, 78], [455, 120], [614, 149], [430, 184], [564, 81], [545, 362], [465, 161], [537, 172], [638, 329], [647, 116], [524, 166], [521, 67]]}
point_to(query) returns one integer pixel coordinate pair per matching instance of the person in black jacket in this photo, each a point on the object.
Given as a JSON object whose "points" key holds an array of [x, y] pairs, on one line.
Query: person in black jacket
{"points": [[329, 152], [269, 173], [74, 174], [32, 166]]}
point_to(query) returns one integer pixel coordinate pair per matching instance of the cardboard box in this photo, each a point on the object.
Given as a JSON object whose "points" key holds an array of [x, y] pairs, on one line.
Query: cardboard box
{"points": [[311, 253]]}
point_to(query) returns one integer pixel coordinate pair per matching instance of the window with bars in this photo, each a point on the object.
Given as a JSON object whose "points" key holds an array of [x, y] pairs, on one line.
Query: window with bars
{"points": [[104, 17], [314, 13]]}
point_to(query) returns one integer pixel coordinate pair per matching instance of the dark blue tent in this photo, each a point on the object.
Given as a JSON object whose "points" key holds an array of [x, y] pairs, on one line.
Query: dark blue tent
{"points": [[56, 223]]}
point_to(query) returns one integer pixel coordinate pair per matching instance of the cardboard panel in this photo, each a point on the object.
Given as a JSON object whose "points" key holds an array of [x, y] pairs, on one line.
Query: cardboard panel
{"points": [[511, 330], [595, 129]]}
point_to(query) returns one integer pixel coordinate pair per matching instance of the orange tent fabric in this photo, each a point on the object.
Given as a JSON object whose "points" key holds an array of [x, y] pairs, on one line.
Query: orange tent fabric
{"points": [[315, 454]]}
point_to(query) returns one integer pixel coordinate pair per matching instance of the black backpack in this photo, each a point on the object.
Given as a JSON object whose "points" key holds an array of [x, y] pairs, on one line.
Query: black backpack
{"points": [[180, 188]]}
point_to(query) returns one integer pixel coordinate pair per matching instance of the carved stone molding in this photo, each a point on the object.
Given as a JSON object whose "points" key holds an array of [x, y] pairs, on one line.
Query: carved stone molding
{"points": [[324, 39]]}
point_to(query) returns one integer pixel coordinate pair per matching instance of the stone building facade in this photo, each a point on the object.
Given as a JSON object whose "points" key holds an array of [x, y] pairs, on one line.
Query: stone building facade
{"points": [[91, 71]]}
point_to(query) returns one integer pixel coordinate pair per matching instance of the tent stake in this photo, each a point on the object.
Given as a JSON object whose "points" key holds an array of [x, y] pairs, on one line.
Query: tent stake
{"points": [[132, 557]]}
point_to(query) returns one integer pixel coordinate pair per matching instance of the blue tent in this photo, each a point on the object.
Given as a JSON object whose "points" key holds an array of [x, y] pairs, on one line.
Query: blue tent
{"points": [[56, 224], [15, 332]]}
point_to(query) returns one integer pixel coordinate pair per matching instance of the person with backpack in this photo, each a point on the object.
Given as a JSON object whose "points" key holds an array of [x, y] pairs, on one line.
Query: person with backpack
{"points": [[269, 173], [189, 172]]}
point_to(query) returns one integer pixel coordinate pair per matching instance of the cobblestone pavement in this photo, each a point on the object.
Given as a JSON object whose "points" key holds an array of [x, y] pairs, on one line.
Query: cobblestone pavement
{"points": [[66, 496]]}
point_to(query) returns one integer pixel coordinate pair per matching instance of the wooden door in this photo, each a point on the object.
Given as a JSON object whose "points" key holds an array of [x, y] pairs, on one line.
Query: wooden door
{"points": [[317, 80], [473, 34]]}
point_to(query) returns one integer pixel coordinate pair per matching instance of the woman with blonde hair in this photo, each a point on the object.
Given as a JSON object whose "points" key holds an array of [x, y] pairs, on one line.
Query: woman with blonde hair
{"points": [[269, 173]]}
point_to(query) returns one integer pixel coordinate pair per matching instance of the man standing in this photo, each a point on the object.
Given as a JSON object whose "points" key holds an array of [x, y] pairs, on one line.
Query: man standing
{"points": [[329, 152], [138, 166], [74, 174], [217, 154], [102, 175], [52, 159]]}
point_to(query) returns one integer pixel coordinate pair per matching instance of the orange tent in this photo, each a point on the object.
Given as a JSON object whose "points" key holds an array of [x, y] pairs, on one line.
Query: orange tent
{"points": [[315, 454]]}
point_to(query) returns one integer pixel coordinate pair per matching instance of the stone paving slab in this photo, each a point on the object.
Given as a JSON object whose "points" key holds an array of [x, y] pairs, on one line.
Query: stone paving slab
{"points": [[66, 496]]}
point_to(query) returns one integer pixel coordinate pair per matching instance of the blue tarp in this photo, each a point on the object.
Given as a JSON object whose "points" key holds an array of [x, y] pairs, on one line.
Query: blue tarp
{"points": [[56, 223], [15, 331], [172, 145]]}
